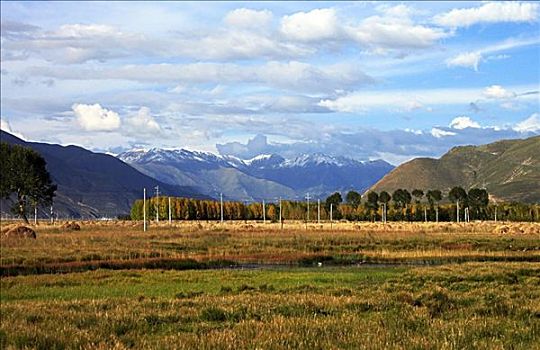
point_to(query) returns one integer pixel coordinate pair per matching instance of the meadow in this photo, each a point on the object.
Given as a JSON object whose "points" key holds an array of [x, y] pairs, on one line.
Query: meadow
{"points": [[248, 285]]}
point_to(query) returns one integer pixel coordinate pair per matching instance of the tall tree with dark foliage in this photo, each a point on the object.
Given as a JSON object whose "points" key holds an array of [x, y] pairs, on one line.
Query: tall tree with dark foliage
{"points": [[24, 177]]}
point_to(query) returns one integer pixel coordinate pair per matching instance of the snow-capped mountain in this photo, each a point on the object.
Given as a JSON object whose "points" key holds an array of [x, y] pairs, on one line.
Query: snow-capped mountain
{"points": [[264, 176], [142, 156]]}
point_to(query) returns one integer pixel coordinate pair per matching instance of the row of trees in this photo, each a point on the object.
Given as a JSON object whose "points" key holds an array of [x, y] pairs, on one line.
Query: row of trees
{"points": [[398, 206], [476, 201]]}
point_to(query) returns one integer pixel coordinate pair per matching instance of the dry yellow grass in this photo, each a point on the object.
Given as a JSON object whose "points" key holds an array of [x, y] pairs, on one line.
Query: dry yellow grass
{"points": [[255, 242]]}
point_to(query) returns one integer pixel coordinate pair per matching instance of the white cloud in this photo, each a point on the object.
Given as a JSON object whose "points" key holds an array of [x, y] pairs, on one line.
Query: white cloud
{"points": [[4, 125], [396, 11], [492, 12], [95, 118], [467, 59], [143, 122], [291, 75], [531, 124], [463, 122], [85, 30], [498, 92], [414, 131], [318, 24], [244, 36], [360, 101], [473, 59], [394, 32], [438, 133], [78, 43], [248, 18], [178, 89], [413, 106], [511, 106]]}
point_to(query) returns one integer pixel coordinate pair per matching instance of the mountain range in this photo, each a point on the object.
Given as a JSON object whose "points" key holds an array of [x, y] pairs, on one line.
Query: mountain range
{"points": [[508, 169], [92, 184], [266, 176]]}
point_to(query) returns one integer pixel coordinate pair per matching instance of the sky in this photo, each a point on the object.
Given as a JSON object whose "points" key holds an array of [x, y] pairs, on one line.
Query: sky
{"points": [[365, 80]]}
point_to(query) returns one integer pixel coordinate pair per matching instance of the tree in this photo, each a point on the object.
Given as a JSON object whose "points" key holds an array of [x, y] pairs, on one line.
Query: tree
{"points": [[334, 199], [418, 194], [353, 198], [401, 198], [433, 197], [457, 194], [372, 200], [24, 174], [372, 203], [478, 200], [384, 197]]}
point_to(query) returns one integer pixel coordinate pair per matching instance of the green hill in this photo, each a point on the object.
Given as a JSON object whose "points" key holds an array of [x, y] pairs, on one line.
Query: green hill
{"points": [[509, 169]]}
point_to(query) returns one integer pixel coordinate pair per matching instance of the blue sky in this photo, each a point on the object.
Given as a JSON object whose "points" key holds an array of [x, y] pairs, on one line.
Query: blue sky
{"points": [[361, 79]]}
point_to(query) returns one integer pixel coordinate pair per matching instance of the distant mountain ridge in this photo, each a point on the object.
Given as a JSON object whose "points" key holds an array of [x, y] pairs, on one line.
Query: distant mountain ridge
{"points": [[264, 176], [93, 184], [508, 169]]}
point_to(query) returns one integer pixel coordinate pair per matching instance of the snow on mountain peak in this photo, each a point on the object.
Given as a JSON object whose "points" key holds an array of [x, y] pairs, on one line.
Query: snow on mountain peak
{"points": [[260, 161], [318, 159]]}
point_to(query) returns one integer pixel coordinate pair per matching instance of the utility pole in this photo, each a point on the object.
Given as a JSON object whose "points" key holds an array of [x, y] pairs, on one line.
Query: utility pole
{"points": [[307, 197], [425, 214], [170, 213], [264, 212], [144, 209], [280, 219], [221, 201], [495, 214], [157, 203], [318, 211], [331, 205]]}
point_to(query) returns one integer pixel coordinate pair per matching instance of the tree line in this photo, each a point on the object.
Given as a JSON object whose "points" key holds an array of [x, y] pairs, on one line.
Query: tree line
{"points": [[400, 205]]}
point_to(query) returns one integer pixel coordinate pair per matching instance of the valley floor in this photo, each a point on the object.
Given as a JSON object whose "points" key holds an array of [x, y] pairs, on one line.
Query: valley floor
{"points": [[435, 286]]}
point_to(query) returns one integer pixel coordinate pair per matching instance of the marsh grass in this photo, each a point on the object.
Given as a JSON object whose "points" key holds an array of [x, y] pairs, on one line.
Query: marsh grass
{"points": [[122, 288], [120, 245], [472, 305]]}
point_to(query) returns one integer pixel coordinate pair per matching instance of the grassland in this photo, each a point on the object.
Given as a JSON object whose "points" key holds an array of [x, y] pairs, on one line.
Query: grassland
{"points": [[483, 292], [125, 245]]}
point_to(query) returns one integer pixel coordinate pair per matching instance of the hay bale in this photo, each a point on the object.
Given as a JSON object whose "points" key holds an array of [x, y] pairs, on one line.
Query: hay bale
{"points": [[502, 229], [532, 230], [71, 226], [20, 232], [6, 228]]}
